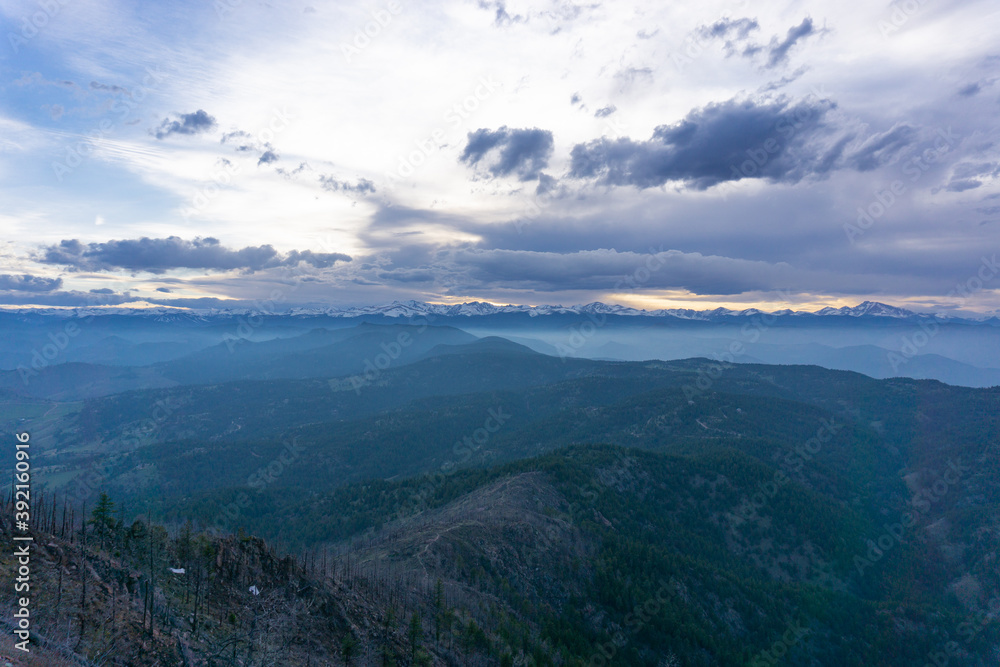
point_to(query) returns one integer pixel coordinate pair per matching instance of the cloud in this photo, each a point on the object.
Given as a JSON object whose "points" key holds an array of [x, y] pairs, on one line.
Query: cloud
{"points": [[291, 173], [408, 276], [969, 175], [523, 152], [331, 184], [882, 148], [165, 290], [238, 136], [734, 33], [104, 88], [632, 74], [29, 283], [501, 16], [546, 184], [962, 185], [188, 123], [712, 145], [969, 90], [607, 269], [723, 28], [604, 112], [778, 51], [161, 255], [783, 81], [36, 79], [320, 260], [970, 169], [74, 299], [244, 142], [103, 290]]}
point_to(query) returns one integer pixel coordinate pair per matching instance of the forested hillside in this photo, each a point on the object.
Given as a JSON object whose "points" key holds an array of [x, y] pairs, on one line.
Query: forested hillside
{"points": [[481, 503]]}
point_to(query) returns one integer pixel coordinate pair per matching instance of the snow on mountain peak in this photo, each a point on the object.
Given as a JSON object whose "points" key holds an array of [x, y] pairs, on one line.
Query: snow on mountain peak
{"points": [[417, 309], [872, 308]]}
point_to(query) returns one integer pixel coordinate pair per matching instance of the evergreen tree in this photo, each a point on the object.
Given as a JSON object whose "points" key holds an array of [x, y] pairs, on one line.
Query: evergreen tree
{"points": [[348, 647], [102, 518], [438, 610], [413, 634]]}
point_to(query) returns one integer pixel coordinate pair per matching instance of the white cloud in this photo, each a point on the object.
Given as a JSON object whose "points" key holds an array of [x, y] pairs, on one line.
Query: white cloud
{"points": [[394, 103]]}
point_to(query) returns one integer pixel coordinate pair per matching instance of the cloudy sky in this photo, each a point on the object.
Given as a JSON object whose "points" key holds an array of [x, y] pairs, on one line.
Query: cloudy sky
{"points": [[644, 153]]}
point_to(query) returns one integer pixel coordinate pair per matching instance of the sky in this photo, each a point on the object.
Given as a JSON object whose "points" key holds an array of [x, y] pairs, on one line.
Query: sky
{"points": [[235, 152]]}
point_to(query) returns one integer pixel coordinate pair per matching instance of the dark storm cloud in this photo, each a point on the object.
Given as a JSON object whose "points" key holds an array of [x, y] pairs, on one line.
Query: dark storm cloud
{"points": [[407, 276], [711, 145], [882, 148], [75, 299], [778, 51], [392, 218], [521, 152], [29, 283], [160, 255], [460, 271], [187, 123], [606, 269]]}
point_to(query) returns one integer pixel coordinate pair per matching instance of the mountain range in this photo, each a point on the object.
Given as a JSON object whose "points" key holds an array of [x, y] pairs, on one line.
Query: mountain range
{"points": [[467, 499], [410, 309], [95, 352]]}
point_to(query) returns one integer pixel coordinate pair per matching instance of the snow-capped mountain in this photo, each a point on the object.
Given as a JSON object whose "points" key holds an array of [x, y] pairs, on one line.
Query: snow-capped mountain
{"points": [[411, 309], [415, 309], [872, 308]]}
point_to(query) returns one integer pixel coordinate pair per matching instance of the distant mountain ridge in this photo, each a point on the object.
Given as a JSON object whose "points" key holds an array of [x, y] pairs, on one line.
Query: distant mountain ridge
{"points": [[416, 309]]}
